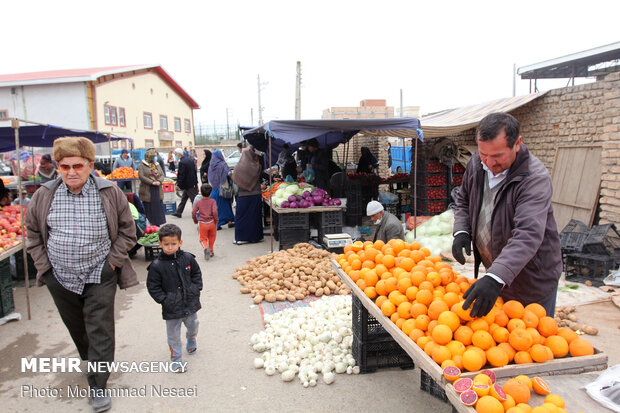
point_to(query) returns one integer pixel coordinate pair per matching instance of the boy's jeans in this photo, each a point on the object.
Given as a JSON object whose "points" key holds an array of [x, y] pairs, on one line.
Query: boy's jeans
{"points": [[173, 328]]}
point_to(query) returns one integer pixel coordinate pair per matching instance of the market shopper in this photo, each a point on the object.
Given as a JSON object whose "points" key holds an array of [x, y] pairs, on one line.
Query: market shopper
{"points": [[151, 192], [367, 161], [123, 161], [5, 195], [171, 163], [321, 164], [79, 231], [174, 280], [205, 215], [186, 180], [47, 169], [504, 215], [389, 227], [204, 167], [286, 163], [247, 176], [218, 173]]}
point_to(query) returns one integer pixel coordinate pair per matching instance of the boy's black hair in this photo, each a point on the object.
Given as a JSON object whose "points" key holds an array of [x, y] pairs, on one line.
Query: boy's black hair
{"points": [[205, 190], [169, 230]]}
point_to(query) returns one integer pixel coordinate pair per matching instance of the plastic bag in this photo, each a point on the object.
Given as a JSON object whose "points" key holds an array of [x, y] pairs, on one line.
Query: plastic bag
{"points": [[387, 197], [606, 388], [309, 175]]}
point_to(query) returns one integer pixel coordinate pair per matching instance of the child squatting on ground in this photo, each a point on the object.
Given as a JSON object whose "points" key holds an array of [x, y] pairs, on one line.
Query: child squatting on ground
{"points": [[205, 215], [174, 280]]}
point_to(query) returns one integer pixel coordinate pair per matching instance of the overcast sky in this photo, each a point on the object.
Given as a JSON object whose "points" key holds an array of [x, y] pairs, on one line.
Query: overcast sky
{"points": [[443, 54]]}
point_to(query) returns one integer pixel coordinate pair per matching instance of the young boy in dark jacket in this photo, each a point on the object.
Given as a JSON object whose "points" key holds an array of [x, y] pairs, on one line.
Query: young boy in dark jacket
{"points": [[174, 281]]}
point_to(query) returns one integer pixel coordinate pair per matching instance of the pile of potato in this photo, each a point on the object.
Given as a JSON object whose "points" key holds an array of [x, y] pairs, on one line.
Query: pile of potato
{"points": [[565, 318], [291, 275]]}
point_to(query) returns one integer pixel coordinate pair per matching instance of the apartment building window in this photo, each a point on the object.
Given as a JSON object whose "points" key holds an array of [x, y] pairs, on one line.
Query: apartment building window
{"points": [[177, 124], [124, 144], [163, 122], [121, 116], [148, 120], [149, 143], [114, 144], [188, 126], [4, 114], [110, 115], [178, 143]]}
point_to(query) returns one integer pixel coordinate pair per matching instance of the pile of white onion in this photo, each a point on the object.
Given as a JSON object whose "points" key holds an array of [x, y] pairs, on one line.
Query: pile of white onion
{"points": [[308, 342]]}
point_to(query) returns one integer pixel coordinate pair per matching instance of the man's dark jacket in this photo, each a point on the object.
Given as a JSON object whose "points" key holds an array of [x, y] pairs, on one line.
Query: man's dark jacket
{"points": [[186, 177]]}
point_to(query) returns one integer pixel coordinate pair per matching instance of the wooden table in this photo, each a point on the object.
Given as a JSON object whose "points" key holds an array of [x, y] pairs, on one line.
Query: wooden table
{"points": [[556, 369], [8, 252], [302, 210]]}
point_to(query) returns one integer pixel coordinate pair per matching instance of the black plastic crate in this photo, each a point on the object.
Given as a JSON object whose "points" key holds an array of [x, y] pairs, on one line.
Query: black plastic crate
{"points": [[150, 253], [365, 327], [293, 221], [293, 236], [431, 165], [383, 353], [430, 207], [7, 304], [432, 192], [334, 229], [330, 218], [602, 240], [5, 273], [457, 168], [428, 385], [589, 267], [432, 179], [19, 266], [573, 236]]}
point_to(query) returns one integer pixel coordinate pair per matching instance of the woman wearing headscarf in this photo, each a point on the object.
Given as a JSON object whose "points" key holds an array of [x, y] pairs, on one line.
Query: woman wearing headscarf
{"points": [[47, 169], [367, 161], [151, 193], [286, 163], [204, 168], [248, 222], [171, 165], [217, 173]]}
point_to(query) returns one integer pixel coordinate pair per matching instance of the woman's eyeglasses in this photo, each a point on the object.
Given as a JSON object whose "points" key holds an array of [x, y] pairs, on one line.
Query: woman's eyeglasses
{"points": [[76, 167]]}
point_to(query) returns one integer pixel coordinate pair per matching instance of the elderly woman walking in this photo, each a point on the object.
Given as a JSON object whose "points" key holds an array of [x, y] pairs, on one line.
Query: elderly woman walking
{"points": [[151, 193], [248, 222], [79, 231], [218, 171]]}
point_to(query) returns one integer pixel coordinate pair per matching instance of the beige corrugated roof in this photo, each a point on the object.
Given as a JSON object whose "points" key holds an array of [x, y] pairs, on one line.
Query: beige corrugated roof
{"points": [[453, 121]]}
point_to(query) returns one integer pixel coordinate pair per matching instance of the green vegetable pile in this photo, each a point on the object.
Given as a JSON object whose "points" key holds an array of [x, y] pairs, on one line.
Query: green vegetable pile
{"points": [[149, 239]]}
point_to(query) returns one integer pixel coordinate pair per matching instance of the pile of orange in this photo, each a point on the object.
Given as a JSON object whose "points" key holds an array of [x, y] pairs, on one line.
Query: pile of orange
{"points": [[124, 172], [423, 296]]}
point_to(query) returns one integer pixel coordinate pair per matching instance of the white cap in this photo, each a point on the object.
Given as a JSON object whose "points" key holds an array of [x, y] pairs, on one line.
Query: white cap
{"points": [[373, 207], [178, 151]]}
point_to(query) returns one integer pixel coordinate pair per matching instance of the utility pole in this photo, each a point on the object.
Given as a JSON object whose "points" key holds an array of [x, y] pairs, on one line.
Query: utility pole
{"points": [[514, 79], [298, 92], [251, 116], [260, 108], [401, 103], [227, 129]]}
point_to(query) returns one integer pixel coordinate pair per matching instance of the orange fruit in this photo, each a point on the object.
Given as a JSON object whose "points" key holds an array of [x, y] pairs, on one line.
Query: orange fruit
{"points": [[418, 309], [526, 408], [422, 322], [378, 244], [501, 319], [508, 350], [537, 309], [509, 402], [388, 308], [451, 298], [404, 310], [558, 346], [482, 378], [426, 251], [388, 261], [479, 324], [536, 337], [463, 334], [416, 333], [539, 353], [417, 277], [519, 391], [513, 309], [463, 314], [519, 339], [481, 353], [497, 357], [395, 317], [488, 404], [407, 264], [434, 278], [530, 319], [429, 347], [424, 297], [453, 373], [523, 357], [555, 399], [380, 288], [547, 326], [396, 297], [380, 300], [371, 278], [422, 341], [522, 378], [540, 386], [441, 354], [482, 339], [431, 325], [456, 348], [472, 361], [450, 319], [368, 264], [481, 389], [361, 284], [580, 347], [411, 292], [391, 284], [436, 308], [500, 335], [427, 285], [568, 334], [370, 292], [404, 284], [515, 323], [399, 321], [442, 334]]}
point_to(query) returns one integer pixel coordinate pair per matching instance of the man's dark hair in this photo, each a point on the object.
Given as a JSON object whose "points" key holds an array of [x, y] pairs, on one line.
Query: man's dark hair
{"points": [[169, 230], [285, 146], [492, 124], [314, 143], [205, 190], [240, 145]]}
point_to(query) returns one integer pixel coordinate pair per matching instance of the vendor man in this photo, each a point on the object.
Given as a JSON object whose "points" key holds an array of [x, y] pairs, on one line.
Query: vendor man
{"points": [[389, 227], [123, 161], [504, 214]]}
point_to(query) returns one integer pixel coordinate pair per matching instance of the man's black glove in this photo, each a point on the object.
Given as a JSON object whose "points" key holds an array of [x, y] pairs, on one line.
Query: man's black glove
{"points": [[483, 293], [462, 240]]}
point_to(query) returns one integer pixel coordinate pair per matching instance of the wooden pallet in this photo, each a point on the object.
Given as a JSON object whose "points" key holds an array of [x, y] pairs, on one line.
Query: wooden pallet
{"points": [[567, 365]]}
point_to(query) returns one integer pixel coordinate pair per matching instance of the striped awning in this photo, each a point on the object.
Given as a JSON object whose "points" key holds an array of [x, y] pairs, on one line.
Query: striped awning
{"points": [[453, 121]]}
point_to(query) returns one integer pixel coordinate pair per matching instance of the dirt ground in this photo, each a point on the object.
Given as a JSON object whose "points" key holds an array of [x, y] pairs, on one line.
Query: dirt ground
{"points": [[221, 373]]}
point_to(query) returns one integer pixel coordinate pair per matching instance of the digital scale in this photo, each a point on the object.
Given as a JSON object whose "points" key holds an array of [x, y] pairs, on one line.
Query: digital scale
{"points": [[337, 240]]}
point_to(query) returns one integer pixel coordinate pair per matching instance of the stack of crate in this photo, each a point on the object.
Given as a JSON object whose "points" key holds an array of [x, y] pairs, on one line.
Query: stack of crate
{"points": [[170, 198], [432, 187], [374, 348], [292, 229], [6, 289], [600, 255], [329, 222], [355, 206]]}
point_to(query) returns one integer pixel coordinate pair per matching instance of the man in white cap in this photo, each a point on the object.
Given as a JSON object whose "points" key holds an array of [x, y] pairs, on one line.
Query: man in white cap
{"points": [[389, 227]]}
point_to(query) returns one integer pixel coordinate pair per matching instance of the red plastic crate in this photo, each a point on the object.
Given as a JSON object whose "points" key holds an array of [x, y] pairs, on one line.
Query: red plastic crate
{"points": [[432, 192], [167, 187], [457, 180], [431, 166], [431, 207], [457, 168], [431, 179]]}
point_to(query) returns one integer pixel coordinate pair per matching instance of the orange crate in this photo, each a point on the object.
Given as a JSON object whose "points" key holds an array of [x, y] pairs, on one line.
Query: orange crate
{"points": [[168, 187]]}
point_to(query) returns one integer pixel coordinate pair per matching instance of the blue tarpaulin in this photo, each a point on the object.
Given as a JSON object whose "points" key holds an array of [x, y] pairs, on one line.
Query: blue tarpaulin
{"points": [[329, 133], [44, 136]]}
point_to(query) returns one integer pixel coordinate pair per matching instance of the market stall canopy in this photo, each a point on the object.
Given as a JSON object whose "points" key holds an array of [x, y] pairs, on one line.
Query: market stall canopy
{"points": [[328, 132], [453, 121], [44, 136]]}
